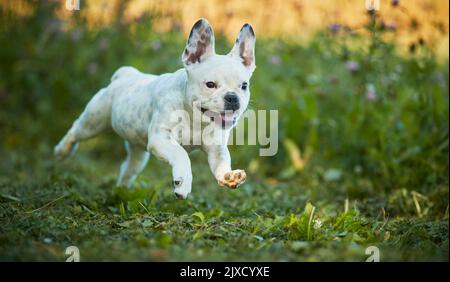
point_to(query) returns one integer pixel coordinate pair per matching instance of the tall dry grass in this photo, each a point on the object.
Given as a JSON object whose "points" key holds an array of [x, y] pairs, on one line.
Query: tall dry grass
{"points": [[293, 19]]}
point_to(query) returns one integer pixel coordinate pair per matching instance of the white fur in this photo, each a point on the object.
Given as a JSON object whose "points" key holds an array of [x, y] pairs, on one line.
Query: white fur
{"points": [[138, 108]]}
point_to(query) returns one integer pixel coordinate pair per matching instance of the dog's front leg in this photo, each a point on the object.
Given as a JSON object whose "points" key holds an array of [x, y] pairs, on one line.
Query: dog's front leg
{"points": [[165, 148], [220, 163]]}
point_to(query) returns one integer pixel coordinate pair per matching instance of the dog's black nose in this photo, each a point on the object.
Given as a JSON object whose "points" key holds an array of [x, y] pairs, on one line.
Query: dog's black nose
{"points": [[231, 102]]}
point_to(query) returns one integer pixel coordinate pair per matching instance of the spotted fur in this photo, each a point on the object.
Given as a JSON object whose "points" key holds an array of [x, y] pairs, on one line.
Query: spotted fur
{"points": [[138, 107]]}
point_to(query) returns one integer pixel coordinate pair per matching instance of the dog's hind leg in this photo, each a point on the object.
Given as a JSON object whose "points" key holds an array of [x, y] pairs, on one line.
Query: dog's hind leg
{"points": [[95, 118], [135, 162]]}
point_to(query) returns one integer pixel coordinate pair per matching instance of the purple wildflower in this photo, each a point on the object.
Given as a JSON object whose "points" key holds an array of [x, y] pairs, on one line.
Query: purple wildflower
{"points": [[156, 45], [335, 28], [352, 66], [275, 60], [371, 94], [392, 26], [395, 3]]}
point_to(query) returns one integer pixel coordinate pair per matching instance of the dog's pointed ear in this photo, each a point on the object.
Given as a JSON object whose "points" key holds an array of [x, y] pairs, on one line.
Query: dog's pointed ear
{"points": [[244, 48], [200, 44]]}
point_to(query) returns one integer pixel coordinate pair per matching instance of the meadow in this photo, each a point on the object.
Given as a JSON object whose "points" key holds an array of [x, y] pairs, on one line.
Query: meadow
{"points": [[362, 160]]}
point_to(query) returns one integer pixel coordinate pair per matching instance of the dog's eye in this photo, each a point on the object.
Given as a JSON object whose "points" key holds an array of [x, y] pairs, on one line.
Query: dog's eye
{"points": [[211, 84], [244, 86]]}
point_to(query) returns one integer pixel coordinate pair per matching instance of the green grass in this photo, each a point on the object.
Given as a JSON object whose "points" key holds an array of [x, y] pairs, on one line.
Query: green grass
{"points": [[46, 207], [375, 173]]}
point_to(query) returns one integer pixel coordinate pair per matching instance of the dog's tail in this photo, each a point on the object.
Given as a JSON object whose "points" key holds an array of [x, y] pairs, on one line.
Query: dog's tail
{"points": [[123, 71]]}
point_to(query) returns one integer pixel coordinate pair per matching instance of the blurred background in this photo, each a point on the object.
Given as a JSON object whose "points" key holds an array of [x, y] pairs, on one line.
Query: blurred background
{"points": [[347, 84], [362, 95], [296, 20]]}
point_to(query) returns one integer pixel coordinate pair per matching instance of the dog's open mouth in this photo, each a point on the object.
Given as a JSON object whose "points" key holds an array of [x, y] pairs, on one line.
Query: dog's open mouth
{"points": [[225, 118]]}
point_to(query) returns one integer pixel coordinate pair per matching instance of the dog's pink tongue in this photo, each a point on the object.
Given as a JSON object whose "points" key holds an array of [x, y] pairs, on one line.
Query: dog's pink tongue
{"points": [[220, 118]]}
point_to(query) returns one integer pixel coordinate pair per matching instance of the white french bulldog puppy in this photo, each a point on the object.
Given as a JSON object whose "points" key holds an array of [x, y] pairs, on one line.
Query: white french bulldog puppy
{"points": [[139, 108]]}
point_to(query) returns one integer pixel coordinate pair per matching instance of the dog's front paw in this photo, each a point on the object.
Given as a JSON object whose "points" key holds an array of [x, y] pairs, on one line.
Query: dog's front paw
{"points": [[233, 178]]}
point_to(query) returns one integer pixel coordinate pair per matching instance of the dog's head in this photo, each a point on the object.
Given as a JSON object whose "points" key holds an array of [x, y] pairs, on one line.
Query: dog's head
{"points": [[219, 85]]}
